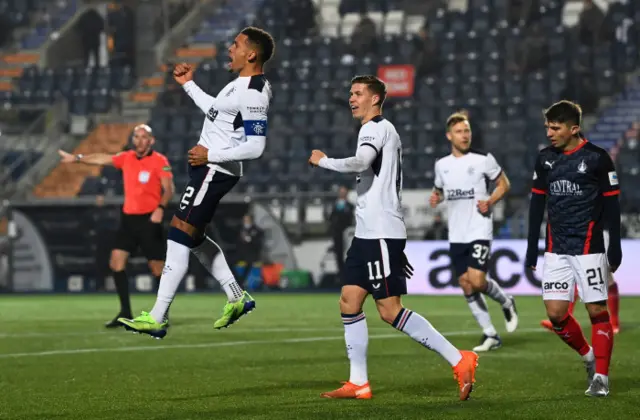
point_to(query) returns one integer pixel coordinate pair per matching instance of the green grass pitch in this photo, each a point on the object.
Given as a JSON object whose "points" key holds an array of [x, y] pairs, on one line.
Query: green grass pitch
{"points": [[57, 362]]}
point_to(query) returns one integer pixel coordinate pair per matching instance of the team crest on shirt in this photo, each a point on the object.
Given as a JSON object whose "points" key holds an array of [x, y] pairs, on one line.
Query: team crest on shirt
{"points": [[471, 171], [258, 128], [582, 168], [144, 177]]}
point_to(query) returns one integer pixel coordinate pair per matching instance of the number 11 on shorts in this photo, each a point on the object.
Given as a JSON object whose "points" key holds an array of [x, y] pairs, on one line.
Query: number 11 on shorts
{"points": [[378, 275]]}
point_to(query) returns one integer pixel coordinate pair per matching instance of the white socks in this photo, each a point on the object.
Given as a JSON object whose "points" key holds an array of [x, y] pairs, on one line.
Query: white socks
{"points": [[175, 267], [212, 258], [421, 330], [495, 292], [478, 307], [356, 337], [589, 357]]}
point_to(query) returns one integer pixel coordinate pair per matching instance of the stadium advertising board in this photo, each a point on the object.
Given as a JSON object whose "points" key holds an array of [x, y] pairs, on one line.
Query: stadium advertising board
{"points": [[400, 79], [433, 273]]}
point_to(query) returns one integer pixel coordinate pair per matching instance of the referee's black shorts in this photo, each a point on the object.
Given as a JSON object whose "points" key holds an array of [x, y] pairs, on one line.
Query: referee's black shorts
{"points": [[138, 231]]}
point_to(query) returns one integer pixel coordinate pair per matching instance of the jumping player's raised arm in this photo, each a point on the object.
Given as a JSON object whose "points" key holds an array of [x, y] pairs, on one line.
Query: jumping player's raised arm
{"points": [[536, 211], [610, 189], [253, 108], [369, 146], [183, 74]]}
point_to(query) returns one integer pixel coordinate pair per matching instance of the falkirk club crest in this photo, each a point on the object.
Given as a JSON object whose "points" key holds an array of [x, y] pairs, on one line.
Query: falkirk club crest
{"points": [[582, 168]]}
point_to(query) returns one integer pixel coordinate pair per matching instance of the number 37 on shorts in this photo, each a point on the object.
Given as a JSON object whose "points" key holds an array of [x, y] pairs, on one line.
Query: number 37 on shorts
{"points": [[589, 273]]}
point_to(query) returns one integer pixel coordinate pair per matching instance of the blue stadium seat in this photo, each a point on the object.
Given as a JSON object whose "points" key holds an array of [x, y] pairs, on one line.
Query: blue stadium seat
{"points": [[491, 65], [66, 80], [100, 101], [80, 102], [178, 124], [86, 78]]}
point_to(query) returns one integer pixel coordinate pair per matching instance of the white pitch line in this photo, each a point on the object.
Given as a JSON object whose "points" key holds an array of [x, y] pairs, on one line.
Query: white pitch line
{"points": [[184, 329], [226, 344]]}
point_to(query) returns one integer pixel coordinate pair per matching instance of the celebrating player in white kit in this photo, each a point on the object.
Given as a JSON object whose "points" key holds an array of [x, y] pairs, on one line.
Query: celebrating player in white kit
{"points": [[462, 179], [234, 130], [376, 263]]}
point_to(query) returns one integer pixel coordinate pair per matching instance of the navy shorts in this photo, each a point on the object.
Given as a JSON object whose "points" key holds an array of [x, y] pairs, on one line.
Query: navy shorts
{"points": [[204, 191], [376, 265], [470, 255]]}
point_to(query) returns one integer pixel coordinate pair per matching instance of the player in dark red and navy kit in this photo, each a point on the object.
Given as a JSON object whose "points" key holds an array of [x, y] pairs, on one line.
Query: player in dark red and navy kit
{"points": [[579, 185]]}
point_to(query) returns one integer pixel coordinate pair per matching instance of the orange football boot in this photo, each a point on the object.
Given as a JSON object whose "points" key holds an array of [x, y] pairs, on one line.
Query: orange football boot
{"points": [[465, 373], [349, 390], [547, 324]]}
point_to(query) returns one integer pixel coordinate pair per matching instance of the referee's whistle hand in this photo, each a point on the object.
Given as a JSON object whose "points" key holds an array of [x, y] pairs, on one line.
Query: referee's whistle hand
{"points": [[198, 155], [66, 157]]}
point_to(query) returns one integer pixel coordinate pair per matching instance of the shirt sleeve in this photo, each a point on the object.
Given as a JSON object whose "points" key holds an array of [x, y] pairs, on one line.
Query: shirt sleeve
{"points": [[118, 159], [362, 161], [370, 137], [199, 97], [438, 183], [607, 176], [539, 177], [164, 168], [492, 169], [254, 108], [370, 143]]}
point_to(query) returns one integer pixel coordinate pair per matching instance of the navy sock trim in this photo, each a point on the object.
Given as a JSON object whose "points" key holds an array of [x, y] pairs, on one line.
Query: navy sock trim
{"points": [[181, 237], [402, 318], [349, 319]]}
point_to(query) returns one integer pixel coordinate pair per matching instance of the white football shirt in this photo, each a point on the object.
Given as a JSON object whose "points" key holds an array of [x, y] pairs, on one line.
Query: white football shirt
{"points": [[378, 162], [464, 181], [235, 124]]}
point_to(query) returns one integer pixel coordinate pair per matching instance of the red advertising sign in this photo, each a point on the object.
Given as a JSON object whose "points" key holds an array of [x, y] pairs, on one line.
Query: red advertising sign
{"points": [[400, 79]]}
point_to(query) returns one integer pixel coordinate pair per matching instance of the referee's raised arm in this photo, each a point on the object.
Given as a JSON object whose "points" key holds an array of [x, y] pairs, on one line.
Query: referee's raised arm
{"points": [[91, 159]]}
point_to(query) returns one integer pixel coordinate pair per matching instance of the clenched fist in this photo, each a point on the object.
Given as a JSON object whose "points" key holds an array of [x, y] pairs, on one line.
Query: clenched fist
{"points": [[183, 73]]}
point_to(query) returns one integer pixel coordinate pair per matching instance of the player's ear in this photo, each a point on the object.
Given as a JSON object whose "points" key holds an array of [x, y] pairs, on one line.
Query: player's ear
{"points": [[252, 56], [575, 130], [375, 99], [449, 135]]}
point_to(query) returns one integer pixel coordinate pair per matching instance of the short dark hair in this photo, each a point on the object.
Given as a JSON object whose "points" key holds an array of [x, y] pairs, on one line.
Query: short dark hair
{"points": [[262, 40], [375, 85], [456, 118], [564, 112]]}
